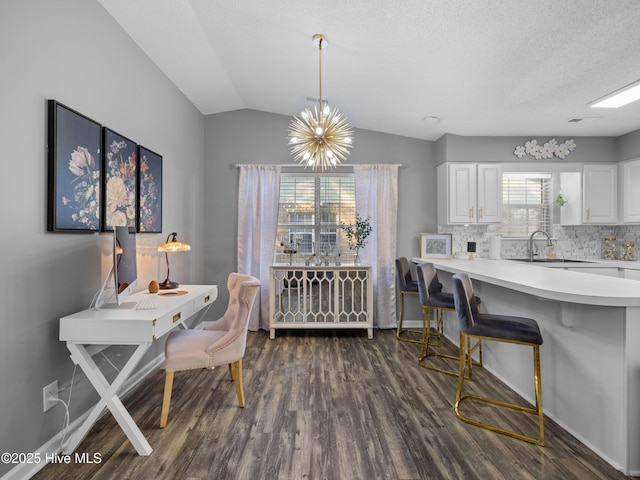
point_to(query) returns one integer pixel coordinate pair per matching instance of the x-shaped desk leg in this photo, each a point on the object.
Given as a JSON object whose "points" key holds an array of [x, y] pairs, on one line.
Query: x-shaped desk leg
{"points": [[108, 397]]}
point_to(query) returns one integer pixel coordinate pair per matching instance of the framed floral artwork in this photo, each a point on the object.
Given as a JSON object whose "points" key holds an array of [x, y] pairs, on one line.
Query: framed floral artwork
{"points": [[149, 191], [120, 198], [75, 170], [435, 245]]}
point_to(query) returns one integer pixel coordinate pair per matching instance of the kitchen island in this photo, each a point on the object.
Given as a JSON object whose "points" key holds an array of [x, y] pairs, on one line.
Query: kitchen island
{"points": [[590, 356]]}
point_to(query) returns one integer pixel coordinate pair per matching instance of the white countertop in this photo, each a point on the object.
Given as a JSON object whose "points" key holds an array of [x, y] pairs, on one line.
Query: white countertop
{"points": [[551, 283]]}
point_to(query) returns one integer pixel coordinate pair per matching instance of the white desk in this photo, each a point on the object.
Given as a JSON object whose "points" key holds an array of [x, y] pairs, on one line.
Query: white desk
{"points": [[126, 327]]}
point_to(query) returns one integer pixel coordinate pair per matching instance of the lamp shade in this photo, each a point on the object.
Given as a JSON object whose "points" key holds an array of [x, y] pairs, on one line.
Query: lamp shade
{"points": [[174, 246]]}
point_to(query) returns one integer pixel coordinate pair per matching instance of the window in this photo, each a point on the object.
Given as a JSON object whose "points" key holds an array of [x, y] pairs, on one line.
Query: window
{"points": [[526, 204], [312, 207]]}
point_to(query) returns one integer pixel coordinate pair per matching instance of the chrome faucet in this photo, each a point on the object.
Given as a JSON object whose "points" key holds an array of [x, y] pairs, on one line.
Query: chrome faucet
{"points": [[531, 242]]}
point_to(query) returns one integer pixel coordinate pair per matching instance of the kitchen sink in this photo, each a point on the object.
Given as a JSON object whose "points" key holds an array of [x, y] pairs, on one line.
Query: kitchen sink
{"points": [[549, 260]]}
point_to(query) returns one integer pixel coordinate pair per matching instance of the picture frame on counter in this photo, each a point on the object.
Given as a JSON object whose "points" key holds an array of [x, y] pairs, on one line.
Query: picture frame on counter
{"points": [[436, 245]]}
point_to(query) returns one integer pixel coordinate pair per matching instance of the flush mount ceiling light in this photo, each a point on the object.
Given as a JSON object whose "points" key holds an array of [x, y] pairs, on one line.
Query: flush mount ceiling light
{"points": [[320, 139], [619, 98]]}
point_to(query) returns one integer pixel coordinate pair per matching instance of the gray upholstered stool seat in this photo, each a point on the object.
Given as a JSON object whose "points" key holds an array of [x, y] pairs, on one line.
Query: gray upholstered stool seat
{"points": [[505, 327], [499, 328]]}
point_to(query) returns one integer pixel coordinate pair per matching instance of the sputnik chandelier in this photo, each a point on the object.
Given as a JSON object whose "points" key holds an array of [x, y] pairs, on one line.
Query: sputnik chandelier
{"points": [[320, 139]]}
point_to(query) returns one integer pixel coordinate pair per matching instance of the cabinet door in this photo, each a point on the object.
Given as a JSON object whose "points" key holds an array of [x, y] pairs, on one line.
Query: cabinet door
{"points": [[631, 191], [489, 193], [600, 194], [462, 193]]}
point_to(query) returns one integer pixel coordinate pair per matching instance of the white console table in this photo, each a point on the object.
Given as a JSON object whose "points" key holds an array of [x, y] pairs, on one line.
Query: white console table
{"points": [[122, 326], [320, 297]]}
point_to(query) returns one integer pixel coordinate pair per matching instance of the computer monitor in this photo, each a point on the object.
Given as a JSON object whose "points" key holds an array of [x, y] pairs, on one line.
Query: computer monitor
{"points": [[122, 279]]}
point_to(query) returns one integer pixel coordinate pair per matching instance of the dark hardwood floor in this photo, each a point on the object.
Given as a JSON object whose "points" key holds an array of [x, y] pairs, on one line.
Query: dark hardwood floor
{"points": [[324, 405]]}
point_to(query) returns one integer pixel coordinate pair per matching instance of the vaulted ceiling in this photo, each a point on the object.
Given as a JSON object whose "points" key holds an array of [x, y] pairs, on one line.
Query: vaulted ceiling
{"points": [[482, 67]]}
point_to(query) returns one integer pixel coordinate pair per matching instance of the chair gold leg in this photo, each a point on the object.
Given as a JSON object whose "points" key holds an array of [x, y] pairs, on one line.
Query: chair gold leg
{"points": [[465, 354], [538, 387], [236, 367], [427, 342], [402, 332], [166, 401], [231, 373]]}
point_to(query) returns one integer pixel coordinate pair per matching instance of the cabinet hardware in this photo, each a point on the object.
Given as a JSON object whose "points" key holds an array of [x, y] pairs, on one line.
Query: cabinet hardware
{"points": [[472, 212], [480, 213], [177, 317], [206, 299]]}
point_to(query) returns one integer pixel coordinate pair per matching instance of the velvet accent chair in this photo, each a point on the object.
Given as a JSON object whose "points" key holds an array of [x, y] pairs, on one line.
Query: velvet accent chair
{"points": [[434, 303], [498, 328], [222, 342], [406, 286]]}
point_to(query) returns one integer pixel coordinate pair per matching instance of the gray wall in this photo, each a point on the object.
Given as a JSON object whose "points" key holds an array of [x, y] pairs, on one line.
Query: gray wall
{"points": [[629, 146], [74, 52], [500, 149], [252, 137]]}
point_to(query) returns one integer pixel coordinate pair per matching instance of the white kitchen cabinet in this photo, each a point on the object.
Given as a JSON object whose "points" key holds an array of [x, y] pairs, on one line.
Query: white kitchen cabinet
{"points": [[631, 191], [571, 186], [600, 194], [469, 193]]}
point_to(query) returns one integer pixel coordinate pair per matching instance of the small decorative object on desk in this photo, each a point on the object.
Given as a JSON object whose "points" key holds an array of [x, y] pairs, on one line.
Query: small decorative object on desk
{"points": [[628, 251], [610, 248], [357, 234]]}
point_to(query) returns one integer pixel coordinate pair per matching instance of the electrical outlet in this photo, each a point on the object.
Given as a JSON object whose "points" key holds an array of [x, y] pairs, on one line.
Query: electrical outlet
{"points": [[49, 395]]}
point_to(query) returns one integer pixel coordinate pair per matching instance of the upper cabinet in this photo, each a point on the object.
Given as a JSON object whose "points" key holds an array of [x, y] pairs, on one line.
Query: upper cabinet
{"points": [[469, 193], [631, 191], [600, 194], [592, 195]]}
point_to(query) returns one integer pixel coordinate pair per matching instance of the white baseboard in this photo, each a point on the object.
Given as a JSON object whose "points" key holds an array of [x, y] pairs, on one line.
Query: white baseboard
{"points": [[46, 453]]}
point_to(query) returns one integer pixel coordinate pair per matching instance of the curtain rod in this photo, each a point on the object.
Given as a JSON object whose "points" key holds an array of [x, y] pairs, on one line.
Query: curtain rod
{"points": [[295, 165]]}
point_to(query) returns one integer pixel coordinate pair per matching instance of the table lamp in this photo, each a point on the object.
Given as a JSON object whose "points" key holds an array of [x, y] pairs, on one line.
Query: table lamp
{"points": [[172, 246]]}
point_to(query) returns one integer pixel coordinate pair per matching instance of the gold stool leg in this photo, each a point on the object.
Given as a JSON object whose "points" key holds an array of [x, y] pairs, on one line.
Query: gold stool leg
{"points": [[401, 315], [465, 353], [402, 332]]}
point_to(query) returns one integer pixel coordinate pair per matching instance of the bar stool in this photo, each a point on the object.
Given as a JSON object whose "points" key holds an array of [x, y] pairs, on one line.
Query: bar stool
{"points": [[433, 299], [499, 328], [406, 285]]}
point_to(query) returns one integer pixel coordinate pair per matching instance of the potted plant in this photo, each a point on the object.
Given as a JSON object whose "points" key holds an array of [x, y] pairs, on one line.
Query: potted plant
{"points": [[357, 234]]}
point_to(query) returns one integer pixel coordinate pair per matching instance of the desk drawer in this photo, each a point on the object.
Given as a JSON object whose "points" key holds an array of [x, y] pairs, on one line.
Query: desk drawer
{"points": [[167, 322], [203, 300]]}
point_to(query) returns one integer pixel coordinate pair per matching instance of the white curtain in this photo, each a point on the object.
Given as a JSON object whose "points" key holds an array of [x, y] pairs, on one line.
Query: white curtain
{"points": [[259, 191], [377, 198]]}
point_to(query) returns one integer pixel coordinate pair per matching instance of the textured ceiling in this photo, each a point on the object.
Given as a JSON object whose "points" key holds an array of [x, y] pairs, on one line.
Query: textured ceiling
{"points": [[484, 67]]}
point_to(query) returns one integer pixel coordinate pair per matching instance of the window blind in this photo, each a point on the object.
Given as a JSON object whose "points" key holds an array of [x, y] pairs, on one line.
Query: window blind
{"points": [[312, 207], [526, 203]]}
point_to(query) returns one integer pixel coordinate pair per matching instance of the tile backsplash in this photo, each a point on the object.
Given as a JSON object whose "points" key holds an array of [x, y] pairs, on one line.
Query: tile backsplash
{"points": [[580, 242]]}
